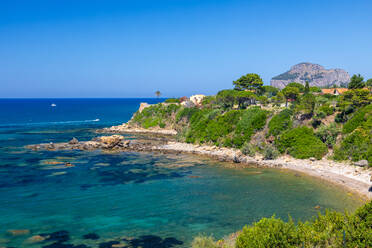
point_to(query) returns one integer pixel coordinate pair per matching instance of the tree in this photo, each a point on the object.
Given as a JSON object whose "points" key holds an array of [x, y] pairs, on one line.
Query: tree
{"points": [[290, 93], [278, 99], [356, 82], [250, 81], [306, 105], [245, 98], [299, 86], [226, 98], [369, 83], [307, 87], [269, 91], [315, 89], [157, 93]]}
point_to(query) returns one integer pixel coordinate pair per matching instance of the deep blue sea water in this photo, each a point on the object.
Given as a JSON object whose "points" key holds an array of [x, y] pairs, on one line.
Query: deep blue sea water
{"points": [[139, 199]]}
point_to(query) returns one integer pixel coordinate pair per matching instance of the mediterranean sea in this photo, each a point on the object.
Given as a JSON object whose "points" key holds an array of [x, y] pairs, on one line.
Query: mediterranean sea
{"points": [[137, 199]]}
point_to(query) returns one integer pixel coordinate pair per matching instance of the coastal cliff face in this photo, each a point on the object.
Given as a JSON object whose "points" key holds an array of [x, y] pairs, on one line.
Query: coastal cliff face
{"points": [[315, 74]]}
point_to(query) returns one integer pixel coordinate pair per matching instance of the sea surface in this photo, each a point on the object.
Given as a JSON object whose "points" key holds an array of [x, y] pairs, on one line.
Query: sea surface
{"points": [[138, 199]]}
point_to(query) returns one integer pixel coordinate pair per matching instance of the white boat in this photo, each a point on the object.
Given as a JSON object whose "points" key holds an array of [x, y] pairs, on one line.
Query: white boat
{"points": [[96, 120], [53, 105]]}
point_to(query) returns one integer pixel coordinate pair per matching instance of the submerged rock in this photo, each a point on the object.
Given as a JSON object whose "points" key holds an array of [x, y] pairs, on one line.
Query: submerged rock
{"points": [[18, 232], [92, 236], [36, 239]]}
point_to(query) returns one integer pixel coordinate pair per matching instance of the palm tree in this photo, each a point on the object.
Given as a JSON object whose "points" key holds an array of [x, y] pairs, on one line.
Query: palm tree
{"points": [[157, 93]]}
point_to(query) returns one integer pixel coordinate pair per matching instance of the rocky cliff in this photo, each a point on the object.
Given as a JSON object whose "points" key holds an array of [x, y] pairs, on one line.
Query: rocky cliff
{"points": [[317, 75]]}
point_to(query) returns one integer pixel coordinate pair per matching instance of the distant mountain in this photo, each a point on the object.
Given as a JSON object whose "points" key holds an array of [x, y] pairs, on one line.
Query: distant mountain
{"points": [[317, 75]]}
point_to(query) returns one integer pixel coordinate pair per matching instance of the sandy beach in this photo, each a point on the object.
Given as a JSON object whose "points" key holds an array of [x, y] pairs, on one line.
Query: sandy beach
{"points": [[353, 178]]}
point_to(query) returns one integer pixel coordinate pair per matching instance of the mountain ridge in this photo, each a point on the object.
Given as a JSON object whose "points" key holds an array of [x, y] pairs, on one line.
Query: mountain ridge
{"points": [[315, 74]]}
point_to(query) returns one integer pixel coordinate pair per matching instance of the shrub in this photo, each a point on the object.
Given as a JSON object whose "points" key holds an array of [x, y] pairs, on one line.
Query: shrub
{"points": [[204, 242], [328, 134], [271, 232], [355, 146], [186, 113], [320, 115], [327, 109], [270, 152], [172, 100], [248, 149], [329, 230], [252, 119], [280, 122], [359, 118], [301, 143], [155, 115], [316, 123]]}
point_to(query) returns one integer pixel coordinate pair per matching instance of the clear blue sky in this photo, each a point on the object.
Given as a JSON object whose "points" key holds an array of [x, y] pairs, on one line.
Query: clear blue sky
{"points": [[133, 48]]}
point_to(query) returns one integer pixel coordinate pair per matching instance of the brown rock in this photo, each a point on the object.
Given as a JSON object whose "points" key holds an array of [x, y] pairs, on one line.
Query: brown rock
{"points": [[317, 207], [36, 239], [74, 141]]}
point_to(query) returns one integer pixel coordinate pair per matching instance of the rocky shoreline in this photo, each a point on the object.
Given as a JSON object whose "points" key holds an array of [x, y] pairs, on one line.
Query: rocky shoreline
{"points": [[354, 178]]}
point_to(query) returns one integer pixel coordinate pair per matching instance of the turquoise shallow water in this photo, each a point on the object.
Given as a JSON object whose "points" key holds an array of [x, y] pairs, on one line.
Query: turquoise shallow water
{"points": [[146, 200]]}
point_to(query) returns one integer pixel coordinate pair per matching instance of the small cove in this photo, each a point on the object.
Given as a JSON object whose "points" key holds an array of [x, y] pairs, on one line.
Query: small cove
{"points": [[163, 200]]}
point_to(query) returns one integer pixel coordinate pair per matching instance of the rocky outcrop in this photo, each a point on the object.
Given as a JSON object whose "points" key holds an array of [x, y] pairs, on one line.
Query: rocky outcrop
{"points": [[104, 142], [126, 128], [315, 74], [143, 105]]}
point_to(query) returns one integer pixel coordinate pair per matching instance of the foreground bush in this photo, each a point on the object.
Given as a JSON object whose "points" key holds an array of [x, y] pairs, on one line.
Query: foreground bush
{"points": [[204, 242], [271, 232], [301, 143], [329, 230]]}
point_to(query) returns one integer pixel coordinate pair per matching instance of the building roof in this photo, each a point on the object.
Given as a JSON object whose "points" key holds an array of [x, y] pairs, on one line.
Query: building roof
{"points": [[328, 91], [334, 90]]}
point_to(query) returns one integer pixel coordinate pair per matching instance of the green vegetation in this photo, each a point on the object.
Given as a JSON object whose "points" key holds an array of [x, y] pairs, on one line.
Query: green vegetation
{"points": [[155, 115], [280, 122], [250, 81], [356, 82], [252, 118], [328, 134], [172, 100], [299, 86], [204, 242], [331, 229], [290, 93], [301, 143]]}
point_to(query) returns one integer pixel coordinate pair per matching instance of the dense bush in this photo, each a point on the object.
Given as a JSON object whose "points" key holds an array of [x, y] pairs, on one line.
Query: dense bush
{"points": [[329, 230], [186, 113], [301, 143], [280, 122], [270, 152], [154, 115], [328, 134], [172, 100], [355, 146], [248, 149], [361, 117], [209, 125], [204, 242], [251, 120]]}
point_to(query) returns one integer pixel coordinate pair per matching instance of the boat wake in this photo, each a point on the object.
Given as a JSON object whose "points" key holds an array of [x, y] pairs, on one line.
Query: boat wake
{"points": [[46, 123]]}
